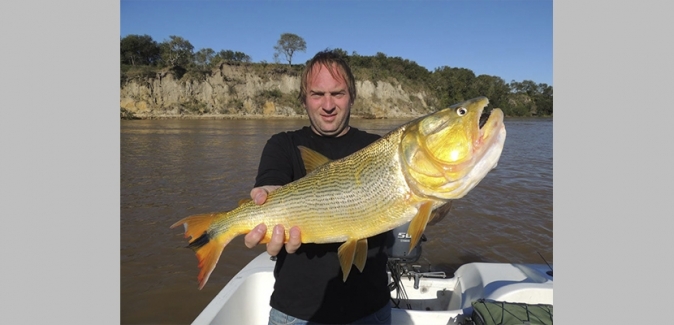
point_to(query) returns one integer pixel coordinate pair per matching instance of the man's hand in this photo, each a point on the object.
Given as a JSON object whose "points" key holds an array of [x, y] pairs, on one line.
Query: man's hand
{"points": [[253, 238], [259, 194], [277, 238]]}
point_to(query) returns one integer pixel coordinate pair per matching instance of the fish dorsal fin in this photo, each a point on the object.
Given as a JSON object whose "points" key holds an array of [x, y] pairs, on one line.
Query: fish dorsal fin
{"points": [[418, 224], [352, 252], [312, 159]]}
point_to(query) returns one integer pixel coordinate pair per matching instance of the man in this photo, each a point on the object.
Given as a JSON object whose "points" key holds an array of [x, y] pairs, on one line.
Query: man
{"points": [[309, 285]]}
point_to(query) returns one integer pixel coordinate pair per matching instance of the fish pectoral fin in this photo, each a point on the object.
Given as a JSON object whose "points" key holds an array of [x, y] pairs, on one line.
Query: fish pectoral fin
{"points": [[346, 253], [312, 159], [361, 254], [418, 224], [440, 213]]}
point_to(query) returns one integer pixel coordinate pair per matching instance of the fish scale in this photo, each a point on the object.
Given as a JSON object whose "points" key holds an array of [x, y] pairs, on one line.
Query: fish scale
{"points": [[399, 178]]}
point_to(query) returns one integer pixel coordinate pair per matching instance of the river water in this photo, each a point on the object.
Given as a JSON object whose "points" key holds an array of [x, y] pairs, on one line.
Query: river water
{"points": [[171, 169]]}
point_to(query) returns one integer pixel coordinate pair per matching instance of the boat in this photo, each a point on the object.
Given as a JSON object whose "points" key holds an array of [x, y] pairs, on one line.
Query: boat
{"points": [[417, 297]]}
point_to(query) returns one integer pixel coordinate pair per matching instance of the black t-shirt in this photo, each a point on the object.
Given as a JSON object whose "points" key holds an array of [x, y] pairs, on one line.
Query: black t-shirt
{"points": [[309, 282]]}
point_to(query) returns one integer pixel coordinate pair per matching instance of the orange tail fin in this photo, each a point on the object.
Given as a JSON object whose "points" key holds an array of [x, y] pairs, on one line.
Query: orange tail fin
{"points": [[207, 246]]}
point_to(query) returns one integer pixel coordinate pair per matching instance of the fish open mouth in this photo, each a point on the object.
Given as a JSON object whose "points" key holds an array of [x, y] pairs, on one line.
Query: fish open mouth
{"points": [[490, 126], [483, 119]]}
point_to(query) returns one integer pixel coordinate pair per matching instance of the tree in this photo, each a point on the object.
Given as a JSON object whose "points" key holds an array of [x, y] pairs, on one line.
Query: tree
{"points": [[341, 52], [203, 57], [231, 56], [544, 99], [137, 49], [176, 52], [454, 85], [539, 96], [527, 87], [288, 44], [494, 88]]}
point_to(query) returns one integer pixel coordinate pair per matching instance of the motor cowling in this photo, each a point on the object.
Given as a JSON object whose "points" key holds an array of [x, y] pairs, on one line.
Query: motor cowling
{"points": [[400, 249]]}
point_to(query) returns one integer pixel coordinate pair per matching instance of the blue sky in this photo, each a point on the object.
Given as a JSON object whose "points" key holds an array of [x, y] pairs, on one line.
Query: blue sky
{"points": [[511, 39]]}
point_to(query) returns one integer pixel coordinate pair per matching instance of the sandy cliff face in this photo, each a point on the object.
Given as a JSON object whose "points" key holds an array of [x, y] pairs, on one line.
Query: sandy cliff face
{"points": [[238, 90]]}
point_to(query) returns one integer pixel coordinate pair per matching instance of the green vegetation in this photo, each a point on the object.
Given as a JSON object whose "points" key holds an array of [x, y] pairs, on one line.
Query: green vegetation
{"points": [[194, 107], [233, 106], [142, 58], [287, 45], [278, 97]]}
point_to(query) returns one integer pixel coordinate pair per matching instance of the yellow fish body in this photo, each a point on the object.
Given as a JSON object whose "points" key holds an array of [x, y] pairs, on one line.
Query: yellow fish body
{"points": [[403, 176]]}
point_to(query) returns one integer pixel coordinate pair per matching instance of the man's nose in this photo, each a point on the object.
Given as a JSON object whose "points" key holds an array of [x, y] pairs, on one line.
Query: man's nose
{"points": [[328, 102]]}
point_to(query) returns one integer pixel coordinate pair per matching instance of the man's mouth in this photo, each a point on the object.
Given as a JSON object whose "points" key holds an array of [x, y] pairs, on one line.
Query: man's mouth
{"points": [[329, 118]]}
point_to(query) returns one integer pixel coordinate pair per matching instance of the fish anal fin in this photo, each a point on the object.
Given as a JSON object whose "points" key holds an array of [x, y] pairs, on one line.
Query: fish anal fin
{"points": [[312, 159], [418, 224], [346, 253], [361, 254]]}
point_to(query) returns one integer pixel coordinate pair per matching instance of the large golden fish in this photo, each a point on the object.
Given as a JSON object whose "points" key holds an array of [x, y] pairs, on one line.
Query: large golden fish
{"points": [[403, 176]]}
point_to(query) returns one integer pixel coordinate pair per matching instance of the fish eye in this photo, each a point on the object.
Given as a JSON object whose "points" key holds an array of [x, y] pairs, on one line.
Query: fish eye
{"points": [[461, 111]]}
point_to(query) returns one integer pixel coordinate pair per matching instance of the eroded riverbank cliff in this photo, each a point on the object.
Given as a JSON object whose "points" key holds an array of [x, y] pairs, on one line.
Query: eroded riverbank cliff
{"points": [[244, 91]]}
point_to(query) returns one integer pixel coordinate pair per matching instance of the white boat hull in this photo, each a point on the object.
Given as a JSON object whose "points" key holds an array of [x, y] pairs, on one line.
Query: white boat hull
{"points": [[245, 299]]}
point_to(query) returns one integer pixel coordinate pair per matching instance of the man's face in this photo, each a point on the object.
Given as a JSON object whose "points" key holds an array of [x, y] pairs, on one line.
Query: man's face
{"points": [[328, 102]]}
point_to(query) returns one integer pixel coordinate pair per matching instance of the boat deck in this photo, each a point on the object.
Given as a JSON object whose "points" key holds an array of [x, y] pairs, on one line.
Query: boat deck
{"points": [[436, 301]]}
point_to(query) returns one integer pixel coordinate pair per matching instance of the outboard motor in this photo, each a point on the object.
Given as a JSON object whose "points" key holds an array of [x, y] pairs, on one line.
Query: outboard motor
{"points": [[399, 251], [400, 260]]}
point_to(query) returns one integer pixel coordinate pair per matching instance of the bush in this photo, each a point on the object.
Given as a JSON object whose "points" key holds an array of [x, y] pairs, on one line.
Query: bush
{"points": [[198, 75], [194, 107], [126, 114]]}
